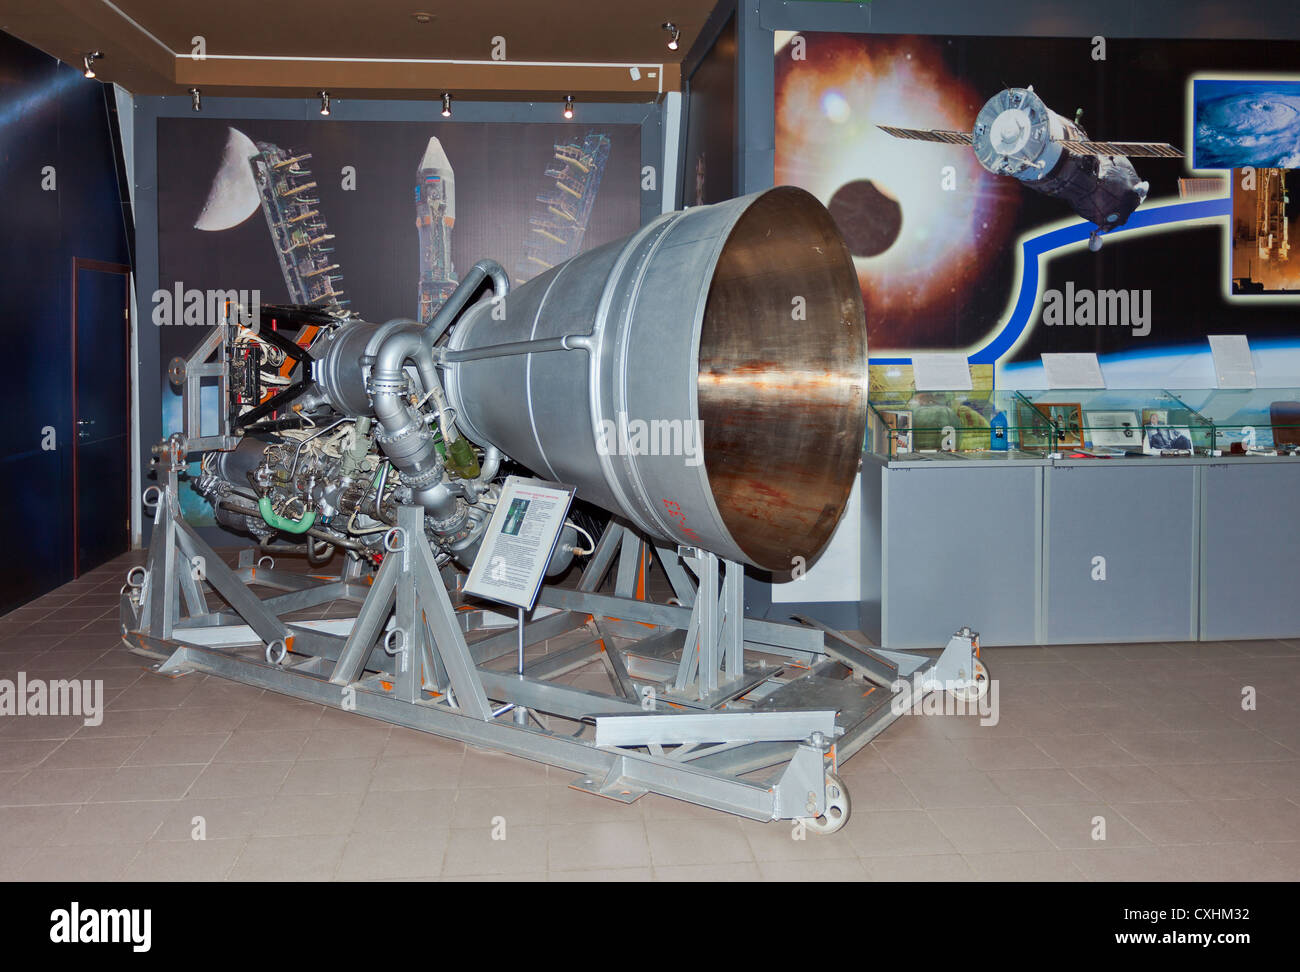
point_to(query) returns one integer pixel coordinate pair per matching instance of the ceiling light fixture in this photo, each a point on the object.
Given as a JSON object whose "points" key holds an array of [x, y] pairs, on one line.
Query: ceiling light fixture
{"points": [[89, 61], [446, 104], [196, 99], [324, 102], [672, 29], [568, 106]]}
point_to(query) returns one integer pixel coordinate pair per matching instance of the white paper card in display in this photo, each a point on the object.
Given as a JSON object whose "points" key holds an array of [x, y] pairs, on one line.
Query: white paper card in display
{"points": [[519, 541], [1074, 370], [947, 371], [1233, 365]]}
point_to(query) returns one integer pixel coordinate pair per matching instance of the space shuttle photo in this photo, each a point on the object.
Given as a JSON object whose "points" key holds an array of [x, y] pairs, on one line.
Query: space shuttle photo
{"points": [[1017, 135]]}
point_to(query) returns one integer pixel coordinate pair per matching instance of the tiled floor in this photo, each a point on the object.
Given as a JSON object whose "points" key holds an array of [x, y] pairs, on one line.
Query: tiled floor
{"points": [[1148, 744]]}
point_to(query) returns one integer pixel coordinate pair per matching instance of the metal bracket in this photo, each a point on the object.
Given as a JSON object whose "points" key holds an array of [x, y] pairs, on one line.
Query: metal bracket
{"points": [[955, 668]]}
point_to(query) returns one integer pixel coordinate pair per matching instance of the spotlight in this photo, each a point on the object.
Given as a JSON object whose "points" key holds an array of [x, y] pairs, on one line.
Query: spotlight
{"points": [[568, 106], [89, 61], [446, 105], [196, 99], [672, 29], [324, 102]]}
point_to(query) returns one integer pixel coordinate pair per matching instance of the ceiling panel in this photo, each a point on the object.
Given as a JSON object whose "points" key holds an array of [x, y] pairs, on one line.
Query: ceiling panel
{"points": [[373, 49]]}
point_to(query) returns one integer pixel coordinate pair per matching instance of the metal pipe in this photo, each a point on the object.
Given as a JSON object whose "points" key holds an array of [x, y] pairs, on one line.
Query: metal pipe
{"points": [[293, 469], [406, 442], [461, 295], [487, 472], [565, 342], [404, 439], [252, 511]]}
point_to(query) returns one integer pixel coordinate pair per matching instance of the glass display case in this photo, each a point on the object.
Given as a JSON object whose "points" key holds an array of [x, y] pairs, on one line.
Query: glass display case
{"points": [[1123, 422], [1179, 492], [1082, 423], [1250, 421], [982, 424]]}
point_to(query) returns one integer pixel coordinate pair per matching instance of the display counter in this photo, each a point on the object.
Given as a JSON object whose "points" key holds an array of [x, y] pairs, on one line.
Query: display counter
{"points": [[1061, 535]]}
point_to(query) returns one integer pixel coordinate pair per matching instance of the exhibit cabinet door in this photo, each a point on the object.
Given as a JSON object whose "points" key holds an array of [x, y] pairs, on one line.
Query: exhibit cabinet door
{"points": [[1250, 541], [1122, 548], [101, 412], [961, 544]]}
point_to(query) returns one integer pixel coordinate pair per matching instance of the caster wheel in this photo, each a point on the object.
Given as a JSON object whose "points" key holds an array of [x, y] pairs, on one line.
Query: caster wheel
{"points": [[837, 808], [973, 693], [1094, 242]]}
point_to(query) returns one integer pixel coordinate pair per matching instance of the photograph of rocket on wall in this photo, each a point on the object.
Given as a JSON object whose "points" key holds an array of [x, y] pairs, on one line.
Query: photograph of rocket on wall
{"points": [[1008, 197], [375, 218]]}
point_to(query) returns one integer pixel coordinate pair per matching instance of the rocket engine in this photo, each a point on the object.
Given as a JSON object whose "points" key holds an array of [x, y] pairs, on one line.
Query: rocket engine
{"points": [[742, 321]]}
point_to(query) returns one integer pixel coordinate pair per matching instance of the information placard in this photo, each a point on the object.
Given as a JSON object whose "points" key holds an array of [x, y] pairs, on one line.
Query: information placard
{"points": [[519, 541], [1234, 367], [1073, 370], [941, 371]]}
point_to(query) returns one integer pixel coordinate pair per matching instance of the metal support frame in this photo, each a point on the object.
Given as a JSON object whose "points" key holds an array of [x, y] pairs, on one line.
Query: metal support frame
{"points": [[743, 695], [211, 359]]}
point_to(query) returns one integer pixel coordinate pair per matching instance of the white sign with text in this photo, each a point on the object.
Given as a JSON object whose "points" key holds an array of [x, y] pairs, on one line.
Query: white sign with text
{"points": [[519, 540]]}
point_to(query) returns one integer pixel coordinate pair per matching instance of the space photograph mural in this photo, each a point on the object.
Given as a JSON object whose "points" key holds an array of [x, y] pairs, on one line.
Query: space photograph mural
{"points": [[376, 218], [1012, 197], [1246, 122]]}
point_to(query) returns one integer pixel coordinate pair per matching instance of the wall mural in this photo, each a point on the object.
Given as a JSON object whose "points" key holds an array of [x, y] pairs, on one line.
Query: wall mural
{"points": [[1007, 197], [370, 217]]}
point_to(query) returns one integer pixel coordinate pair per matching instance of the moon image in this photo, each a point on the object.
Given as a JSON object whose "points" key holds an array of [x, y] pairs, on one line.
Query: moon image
{"points": [[233, 196], [868, 217], [1247, 123]]}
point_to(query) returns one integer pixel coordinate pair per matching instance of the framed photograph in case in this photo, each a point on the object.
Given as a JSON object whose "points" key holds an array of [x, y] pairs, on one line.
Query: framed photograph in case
{"points": [[899, 424], [1159, 436], [1031, 429], [1067, 417]]}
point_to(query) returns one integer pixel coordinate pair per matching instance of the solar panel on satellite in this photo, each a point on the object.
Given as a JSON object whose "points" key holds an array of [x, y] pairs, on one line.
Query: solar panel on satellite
{"points": [[1139, 150], [928, 135]]}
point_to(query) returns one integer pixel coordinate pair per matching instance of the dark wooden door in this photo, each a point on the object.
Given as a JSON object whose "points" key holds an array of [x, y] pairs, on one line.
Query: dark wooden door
{"points": [[101, 413]]}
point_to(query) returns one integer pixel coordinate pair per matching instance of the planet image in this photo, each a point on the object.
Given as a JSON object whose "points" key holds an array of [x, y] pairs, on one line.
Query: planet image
{"points": [[926, 230], [867, 217], [1247, 123]]}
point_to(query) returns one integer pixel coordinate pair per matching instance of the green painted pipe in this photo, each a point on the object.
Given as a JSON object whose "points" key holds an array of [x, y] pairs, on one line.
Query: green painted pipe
{"points": [[282, 523]]}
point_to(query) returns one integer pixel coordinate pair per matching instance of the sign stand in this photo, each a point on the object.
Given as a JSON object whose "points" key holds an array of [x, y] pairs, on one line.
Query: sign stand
{"points": [[521, 714]]}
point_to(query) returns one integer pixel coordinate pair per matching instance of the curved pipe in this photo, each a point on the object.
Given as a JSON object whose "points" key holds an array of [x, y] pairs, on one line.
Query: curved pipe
{"points": [[404, 439], [466, 289], [300, 525], [252, 511], [403, 345], [487, 472]]}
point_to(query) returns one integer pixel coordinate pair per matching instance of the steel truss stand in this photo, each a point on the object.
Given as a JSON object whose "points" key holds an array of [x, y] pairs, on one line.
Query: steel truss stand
{"points": [[702, 699]]}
